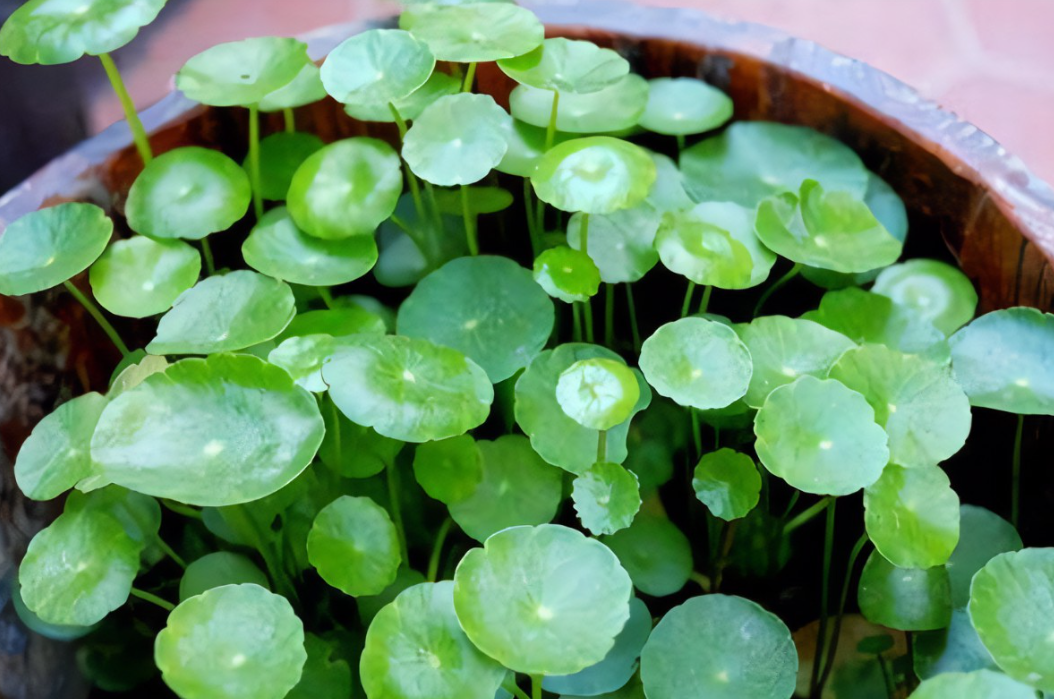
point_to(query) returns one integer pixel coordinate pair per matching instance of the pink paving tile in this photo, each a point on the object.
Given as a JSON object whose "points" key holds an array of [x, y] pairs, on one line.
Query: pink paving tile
{"points": [[1019, 29]]}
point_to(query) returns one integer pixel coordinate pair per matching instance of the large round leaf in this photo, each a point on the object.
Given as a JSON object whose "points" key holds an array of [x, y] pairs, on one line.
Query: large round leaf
{"points": [[217, 569], [719, 647], [354, 546], [449, 470], [1003, 361], [141, 277], [595, 175], [232, 642], [683, 106], [542, 600], [408, 389], [1012, 608], [981, 684], [907, 599], [346, 189], [982, 535], [55, 457], [224, 313], [216, 431], [655, 553], [415, 649], [698, 363], [488, 308], [615, 108], [820, 437], [474, 32], [622, 244], [47, 247], [60, 31], [606, 498], [457, 140], [728, 483], [937, 291], [242, 73], [912, 516], [188, 193], [565, 65], [377, 67]]}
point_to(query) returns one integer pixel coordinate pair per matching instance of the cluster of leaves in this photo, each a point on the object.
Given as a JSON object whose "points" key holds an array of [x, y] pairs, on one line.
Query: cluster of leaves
{"points": [[270, 426]]}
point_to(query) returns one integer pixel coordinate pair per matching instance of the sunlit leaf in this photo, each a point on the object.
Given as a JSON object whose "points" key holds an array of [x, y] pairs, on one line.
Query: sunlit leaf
{"points": [[338, 322], [598, 393], [616, 107], [55, 456], [302, 358], [354, 546], [457, 140], [141, 277], [567, 274], [595, 175], [683, 106], [606, 498], [474, 32], [376, 67], [302, 90], [566, 65], [939, 292], [912, 516], [242, 73]]}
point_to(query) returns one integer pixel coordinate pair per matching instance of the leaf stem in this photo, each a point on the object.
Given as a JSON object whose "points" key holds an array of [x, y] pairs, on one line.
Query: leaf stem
{"points": [[254, 158], [587, 307], [181, 509], [832, 649], [609, 315], [550, 132], [437, 549], [470, 222], [687, 305], [1015, 494], [728, 535], [806, 515], [95, 313], [633, 326], [536, 687], [681, 143], [776, 286], [396, 507], [511, 687], [144, 595], [576, 315], [139, 137], [411, 179], [170, 552], [602, 447], [532, 224], [210, 262], [326, 295], [244, 524], [583, 243], [704, 305], [821, 635], [697, 435], [290, 120], [470, 78]]}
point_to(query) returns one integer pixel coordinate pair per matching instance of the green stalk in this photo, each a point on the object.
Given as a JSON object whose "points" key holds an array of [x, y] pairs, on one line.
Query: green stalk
{"points": [[210, 262], [602, 447], [583, 243], [181, 509], [576, 313], [832, 650], [633, 326], [144, 595], [470, 222], [326, 296], [704, 305], [587, 307], [95, 313], [470, 78], [806, 515], [411, 179], [511, 687], [168, 551], [821, 636], [536, 687], [532, 224], [609, 315], [334, 415], [254, 159], [550, 132], [238, 517], [1015, 494], [687, 305], [681, 143], [779, 283], [396, 506], [728, 535], [697, 434], [290, 120], [887, 676], [437, 550], [139, 137]]}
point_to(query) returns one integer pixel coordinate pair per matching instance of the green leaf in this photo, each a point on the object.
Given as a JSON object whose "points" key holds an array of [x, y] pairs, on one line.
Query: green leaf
{"points": [[937, 291], [542, 600], [47, 247], [904, 598], [408, 389], [565, 65], [912, 516], [55, 457], [242, 73], [598, 393], [924, 412], [954, 649], [449, 470], [346, 189], [217, 431], [567, 274], [631, 690], [415, 649], [1003, 361], [1012, 608], [301, 91], [526, 145], [217, 569], [982, 684], [820, 437], [132, 373], [488, 308], [622, 244], [595, 175], [684, 106], [189, 193], [302, 358], [50, 32], [409, 107], [141, 277], [614, 108], [325, 675], [782, 349], [982, 536], [474, 32], [54, 632], [728, 483], [481, 200], [668, 192], [655, 553], [377, 67], [278, 248], [371, 606], [232, 642], [751, 160], [225, 313], [354, 451], [407, 257], [354, 546], [606, 498], [457, 140], [338, 322], [714, 244], [698, 363], [516, 488], [281, 155], [719, 647], [79, 568], [139, 515]]}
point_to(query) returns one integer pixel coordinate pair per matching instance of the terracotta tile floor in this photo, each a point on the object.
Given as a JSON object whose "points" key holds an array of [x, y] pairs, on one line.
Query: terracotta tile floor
{"points": [[992, 61]]}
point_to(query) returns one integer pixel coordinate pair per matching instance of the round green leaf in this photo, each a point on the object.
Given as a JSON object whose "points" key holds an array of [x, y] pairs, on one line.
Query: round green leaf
{"points": [[232, 642], [415, 649], [714, 244], [79, 568], [820, 437], [139, 515], [217, 569], [526, 145], [924, 412], [338, 322], [488, 308], [516, 488], [668, 193], [614, 108], [657, 556], [728, 483], [225, 313], [302, 90], [371, 606], [281, 155], [449, 470], [907, 599], [141, 277], [622, 244], [326, 674], [302, 358], [50, 32], [542, 600], [1003, 361], [595, 175], [188, 193], [567, 274], [278, 248], [981, 684], [912, 516], [565, 65], [354, 546], [719, 647], [219, 431], [698, 363], [54, 632], [598, 393], [1012, 608], [55, 457], [242, 73], [409, 107], [408, 389], [683, 106], [606, 498], [751, 160], [954, 649], [982, 536], [47, 247], [782, 349], [377, 67], [938, 292], [474, 32], [346, 189], [457, 140]]}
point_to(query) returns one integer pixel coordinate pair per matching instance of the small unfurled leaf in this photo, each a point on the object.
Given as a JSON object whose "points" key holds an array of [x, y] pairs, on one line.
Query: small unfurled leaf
{"points": [[242, 73], [728, 483], [354, 546]]}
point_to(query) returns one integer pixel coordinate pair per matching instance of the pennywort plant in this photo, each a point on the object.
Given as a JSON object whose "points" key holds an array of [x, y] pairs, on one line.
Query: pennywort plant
{"points": [[493, 408]]}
